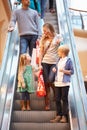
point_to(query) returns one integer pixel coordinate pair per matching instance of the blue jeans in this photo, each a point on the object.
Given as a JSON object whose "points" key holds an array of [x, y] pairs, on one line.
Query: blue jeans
{"points": [[43, 4], [27, 42], [52, 4], [47, 71]]}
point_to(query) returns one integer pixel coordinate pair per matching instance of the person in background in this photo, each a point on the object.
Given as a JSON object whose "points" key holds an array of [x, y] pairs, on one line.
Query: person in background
{"points": [[34, 4], [25, 81], [64, 70], [49, 44], [51, 6], [28, 26], [43, 4]]}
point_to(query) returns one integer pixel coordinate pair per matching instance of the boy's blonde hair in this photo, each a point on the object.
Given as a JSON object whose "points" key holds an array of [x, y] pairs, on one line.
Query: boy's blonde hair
{"points": [[64, 48]]}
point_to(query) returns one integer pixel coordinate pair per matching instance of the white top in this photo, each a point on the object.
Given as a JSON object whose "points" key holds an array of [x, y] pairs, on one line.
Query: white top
{"points": [[61, 65], [51, 55]]}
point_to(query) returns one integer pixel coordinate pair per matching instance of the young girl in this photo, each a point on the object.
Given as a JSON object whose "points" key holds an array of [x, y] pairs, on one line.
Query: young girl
{"points": [[49, 44], [25, 80], [64, 70]]}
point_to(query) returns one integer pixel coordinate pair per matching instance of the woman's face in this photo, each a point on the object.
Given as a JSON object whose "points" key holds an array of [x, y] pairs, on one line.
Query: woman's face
{"points": [[46, 31]]}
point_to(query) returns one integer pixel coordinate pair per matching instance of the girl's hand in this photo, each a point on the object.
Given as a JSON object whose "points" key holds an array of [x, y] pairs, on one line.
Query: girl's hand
{"points": [[40, 67]]}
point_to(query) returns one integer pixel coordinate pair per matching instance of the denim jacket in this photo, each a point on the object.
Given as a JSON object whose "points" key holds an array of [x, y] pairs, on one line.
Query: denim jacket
{"points": [[68, 66]]}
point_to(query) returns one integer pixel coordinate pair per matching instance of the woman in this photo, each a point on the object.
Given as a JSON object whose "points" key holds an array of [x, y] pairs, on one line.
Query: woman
{"points": [[49, 44]]}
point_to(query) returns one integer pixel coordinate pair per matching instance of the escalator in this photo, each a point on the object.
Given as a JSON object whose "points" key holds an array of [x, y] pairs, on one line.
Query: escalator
{"points": [[14, 119], [37, 118]]}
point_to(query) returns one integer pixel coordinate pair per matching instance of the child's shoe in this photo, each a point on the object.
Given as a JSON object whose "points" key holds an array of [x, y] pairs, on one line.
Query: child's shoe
{"points": [[28, 106], [23, 108], [56, 119], [63, 119]]}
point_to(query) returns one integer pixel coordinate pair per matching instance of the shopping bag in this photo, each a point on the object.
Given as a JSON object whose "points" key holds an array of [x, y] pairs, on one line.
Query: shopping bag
{"points": [[41, 86], [33, 59], [37, 51]]}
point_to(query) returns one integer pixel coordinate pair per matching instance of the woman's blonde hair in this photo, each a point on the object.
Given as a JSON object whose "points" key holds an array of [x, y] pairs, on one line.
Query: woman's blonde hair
{"points": [[50, 28]]}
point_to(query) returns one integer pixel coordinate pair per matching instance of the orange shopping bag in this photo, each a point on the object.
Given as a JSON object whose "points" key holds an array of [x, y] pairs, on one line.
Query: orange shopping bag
{"points": [[41, 86]]}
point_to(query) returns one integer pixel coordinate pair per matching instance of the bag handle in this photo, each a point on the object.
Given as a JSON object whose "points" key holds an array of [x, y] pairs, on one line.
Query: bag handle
{"points": [[46, 49]]}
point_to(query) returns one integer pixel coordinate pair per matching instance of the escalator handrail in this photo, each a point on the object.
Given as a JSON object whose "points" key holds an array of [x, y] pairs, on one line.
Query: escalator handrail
{"points": [[5, 124], [3, 66], [78, 68], [79, 80]]}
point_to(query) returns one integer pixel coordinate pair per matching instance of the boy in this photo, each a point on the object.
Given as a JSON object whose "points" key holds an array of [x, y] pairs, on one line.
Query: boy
{"points": [[64, 70]]}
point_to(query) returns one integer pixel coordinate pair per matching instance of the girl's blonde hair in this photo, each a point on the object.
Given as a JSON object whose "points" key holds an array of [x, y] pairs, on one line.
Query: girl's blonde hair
{"points": [[23, 58], [64, 48]]}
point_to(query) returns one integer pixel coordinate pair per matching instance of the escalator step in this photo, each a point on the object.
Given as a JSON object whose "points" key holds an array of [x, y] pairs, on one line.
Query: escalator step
{"points": [[33, 116], [33, 95], [40, 126], [35, 105]]}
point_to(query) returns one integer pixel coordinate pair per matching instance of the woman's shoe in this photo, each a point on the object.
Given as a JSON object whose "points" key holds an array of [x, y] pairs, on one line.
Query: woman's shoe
{"points": [[47, 108]]}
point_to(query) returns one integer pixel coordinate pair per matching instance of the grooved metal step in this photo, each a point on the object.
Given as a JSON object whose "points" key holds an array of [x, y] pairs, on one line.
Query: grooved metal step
{"points": [[35, 105], [33, 95], [40, 126], [33, 116], [51, 18]]}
